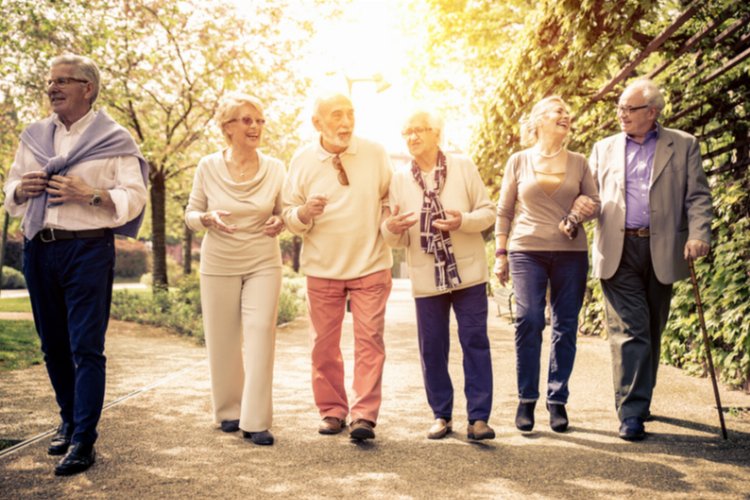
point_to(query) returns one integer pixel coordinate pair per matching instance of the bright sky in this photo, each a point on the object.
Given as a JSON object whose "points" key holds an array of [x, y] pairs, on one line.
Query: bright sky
{"points": [[367, 39]]}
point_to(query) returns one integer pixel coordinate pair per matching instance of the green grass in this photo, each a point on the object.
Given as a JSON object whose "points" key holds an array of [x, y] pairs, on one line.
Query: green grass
{"points": [[19, 345], [16, 304]]}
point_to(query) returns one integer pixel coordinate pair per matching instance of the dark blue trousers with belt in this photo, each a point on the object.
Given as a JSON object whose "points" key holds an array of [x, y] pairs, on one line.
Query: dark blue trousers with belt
{"points": [[70, 287], [433, 327]]}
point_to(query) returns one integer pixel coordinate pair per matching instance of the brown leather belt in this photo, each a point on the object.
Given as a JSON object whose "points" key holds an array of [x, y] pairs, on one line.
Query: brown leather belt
{"points": [[641, 232], [48, 235]]}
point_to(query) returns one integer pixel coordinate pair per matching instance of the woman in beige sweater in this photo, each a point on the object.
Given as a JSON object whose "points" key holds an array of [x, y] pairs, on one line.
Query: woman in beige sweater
{"points": [[236, 198], [439, 208], [539, 189]]}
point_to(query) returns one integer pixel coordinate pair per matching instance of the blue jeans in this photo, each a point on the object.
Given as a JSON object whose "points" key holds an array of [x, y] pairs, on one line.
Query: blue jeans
{"points": [[433, 327], [70, 289], [565, 272]]}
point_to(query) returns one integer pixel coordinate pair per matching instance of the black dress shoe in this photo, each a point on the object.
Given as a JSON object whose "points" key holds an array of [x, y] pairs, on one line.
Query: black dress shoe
{"points": [[632, 429], [558, 417], [61, 440], [525, 416], [263, 438], [79, 458], [230, 425]]}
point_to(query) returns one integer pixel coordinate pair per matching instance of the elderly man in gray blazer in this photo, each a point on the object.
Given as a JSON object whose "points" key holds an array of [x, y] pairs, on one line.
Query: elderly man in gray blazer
{"points": [[655, 215]]}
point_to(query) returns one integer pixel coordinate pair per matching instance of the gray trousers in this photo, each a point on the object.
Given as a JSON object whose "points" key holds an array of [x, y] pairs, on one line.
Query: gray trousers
{"points": [[636, 309]]}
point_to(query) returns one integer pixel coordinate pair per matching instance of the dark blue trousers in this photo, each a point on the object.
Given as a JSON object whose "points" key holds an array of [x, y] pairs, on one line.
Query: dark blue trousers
{"points": [[565, 272], [433, 327], [70, 286]]}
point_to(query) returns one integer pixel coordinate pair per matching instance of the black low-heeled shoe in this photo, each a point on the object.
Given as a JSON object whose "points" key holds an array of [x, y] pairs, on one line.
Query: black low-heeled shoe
{"points": [[262, 438], [558, 417], [61, 440], [79, 458], [525, 416], [230, 425]]}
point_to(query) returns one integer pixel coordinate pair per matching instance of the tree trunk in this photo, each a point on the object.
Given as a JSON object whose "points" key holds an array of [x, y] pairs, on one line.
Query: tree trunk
{"points": [[187, 251], [6, 220], [158, 230]]}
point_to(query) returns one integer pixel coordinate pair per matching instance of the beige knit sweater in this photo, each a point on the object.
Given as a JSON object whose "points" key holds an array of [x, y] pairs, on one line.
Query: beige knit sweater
{"points": [[251, 203]]}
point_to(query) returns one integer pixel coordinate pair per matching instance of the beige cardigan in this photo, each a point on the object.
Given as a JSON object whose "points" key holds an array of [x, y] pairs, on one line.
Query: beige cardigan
{"points": [[535, 215], [463, 191]]}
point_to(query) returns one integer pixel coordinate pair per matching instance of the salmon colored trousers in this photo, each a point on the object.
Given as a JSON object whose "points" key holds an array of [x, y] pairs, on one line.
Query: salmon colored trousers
{"points": [[326, 303]]}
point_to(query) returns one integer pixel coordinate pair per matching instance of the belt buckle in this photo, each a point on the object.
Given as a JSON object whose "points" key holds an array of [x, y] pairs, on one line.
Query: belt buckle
{"points": [[52, 235], [642, 232]]}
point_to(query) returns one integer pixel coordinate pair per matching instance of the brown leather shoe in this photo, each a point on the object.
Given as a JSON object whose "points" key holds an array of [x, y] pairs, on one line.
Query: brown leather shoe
{"points": [[362, 429], [480, 430], [440, 429], [331, 425]]}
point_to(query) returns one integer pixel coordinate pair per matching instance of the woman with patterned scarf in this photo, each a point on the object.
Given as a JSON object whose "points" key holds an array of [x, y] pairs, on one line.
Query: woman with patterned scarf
{"points": [[439, 206]]}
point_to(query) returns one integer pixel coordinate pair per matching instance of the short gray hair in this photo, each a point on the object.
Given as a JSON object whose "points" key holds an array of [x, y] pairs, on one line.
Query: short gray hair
{"points": [[530, 123], [83, 68], [650, 92], [228, 106], [432, 118]]}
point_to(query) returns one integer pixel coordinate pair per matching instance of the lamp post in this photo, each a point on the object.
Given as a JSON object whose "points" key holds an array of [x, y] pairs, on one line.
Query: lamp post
{"points": [[380, 83]]}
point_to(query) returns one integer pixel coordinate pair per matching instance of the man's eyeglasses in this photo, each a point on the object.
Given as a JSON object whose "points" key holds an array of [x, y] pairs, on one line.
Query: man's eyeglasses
{"points": [[626, 110], [416, 130], [63, 81], [247, 121]]}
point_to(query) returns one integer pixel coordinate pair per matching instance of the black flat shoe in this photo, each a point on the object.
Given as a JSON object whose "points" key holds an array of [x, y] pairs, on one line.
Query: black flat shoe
{"points": [[632, 429], [230, 425], [558, 417], [61, 440], [525, 416], [262, 438], [79, 458]]}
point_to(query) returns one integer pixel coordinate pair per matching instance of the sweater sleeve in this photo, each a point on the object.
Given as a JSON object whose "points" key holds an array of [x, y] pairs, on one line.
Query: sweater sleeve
{"points": [[506, 204], [292, 199], [482, 212]]}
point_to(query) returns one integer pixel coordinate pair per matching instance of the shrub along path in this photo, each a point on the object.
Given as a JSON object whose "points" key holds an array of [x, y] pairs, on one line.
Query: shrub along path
{"points": [[161, 442]]}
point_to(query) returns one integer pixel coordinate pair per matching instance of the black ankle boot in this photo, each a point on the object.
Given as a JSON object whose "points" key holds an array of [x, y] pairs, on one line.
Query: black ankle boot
{"points": [[558, 417], [525, 416]]}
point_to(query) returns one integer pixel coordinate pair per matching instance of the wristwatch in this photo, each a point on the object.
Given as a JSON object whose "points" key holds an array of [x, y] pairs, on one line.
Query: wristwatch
{"points": [[96, 199]]}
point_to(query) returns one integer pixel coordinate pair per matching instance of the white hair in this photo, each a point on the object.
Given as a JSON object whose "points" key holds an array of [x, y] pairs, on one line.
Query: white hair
{"points": [[650, 92], [83, 69]]}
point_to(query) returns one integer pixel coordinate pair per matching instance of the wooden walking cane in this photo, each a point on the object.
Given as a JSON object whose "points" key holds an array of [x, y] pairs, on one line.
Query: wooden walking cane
{"points": [[706, 342]]}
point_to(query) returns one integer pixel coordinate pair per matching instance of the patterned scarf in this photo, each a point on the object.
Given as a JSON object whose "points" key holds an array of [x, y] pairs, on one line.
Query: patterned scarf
{"points": [[433, 240]]}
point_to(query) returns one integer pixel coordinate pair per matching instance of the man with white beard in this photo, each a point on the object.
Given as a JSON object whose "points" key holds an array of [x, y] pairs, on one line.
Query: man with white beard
{"points": [[335, 197]]}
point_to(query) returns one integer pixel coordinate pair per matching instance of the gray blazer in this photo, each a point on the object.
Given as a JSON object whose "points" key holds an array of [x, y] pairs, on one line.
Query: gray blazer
{"points": [[679, 200]]}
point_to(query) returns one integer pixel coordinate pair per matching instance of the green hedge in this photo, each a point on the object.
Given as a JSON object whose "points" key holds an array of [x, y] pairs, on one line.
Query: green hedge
{"points": [[131, 258], [12, 279]]}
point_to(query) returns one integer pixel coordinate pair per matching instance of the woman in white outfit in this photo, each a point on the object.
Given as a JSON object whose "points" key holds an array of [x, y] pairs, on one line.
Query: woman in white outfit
{"points": [[236, 198]]}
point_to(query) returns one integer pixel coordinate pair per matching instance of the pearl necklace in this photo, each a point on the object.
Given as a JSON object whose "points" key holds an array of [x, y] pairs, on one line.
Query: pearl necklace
{"points": [[539, 152]]}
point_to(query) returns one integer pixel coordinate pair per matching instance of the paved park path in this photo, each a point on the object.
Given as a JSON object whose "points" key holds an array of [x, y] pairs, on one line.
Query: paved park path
{"points": [[157, 439]]}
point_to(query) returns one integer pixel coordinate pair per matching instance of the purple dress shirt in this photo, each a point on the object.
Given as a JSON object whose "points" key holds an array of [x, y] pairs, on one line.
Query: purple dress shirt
{"points": [[639, 162]]}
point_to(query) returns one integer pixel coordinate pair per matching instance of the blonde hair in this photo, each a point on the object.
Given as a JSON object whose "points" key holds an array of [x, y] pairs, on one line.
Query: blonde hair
{"points": [[530, 123], [228, 106]]}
